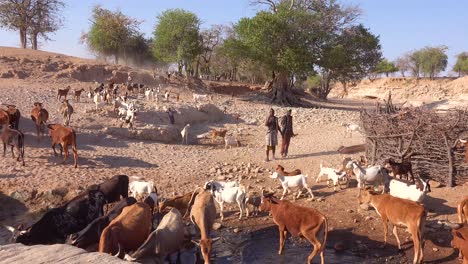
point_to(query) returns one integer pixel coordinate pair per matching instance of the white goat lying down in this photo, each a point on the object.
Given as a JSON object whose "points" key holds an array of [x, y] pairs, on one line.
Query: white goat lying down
{"points": [[293, 182], [406, 190], [228, 195], [350, 128], [142, 187], [375, 175], [200, 97], [332, 175]]}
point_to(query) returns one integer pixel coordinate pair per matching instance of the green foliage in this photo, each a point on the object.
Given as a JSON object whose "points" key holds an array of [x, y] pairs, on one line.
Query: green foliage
{"points": [[428, 61], [177, 37], [385, 67], [433, 60], [112, 33], [279, 40], [350, 56], [461, 66]]}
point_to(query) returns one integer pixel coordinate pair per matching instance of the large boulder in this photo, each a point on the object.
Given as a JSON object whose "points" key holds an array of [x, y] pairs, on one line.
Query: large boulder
{"points": [[58, 253]]}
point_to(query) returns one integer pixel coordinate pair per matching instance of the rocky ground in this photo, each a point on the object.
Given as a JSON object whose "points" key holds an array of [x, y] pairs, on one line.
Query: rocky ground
{"points": [[105, 150]]}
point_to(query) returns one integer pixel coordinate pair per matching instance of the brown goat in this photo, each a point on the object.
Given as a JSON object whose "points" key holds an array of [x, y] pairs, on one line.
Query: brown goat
{"points": [[299, 221], [127, 231], [63, 93], [15, 139], [4, 117], [462, 211], [78, 94], [39, 116], [180, 203], [203, 214], [280, 170], [14, 116], [218, 133], [460, 241], [64, 136], [400, 212]]}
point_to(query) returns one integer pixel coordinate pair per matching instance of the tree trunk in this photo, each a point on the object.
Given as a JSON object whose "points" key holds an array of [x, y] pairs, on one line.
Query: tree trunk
{"points": [[386, 74], [116, 57], [23, 38], [34, 41], [281, 91], [196, 68]]}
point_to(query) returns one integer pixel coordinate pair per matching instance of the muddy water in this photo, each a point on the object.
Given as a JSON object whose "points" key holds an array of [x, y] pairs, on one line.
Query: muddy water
{"points": [[261, 247]]}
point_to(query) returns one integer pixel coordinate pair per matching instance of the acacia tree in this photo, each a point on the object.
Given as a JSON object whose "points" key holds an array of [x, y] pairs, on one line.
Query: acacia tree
{"points": [[111, 33], [211, 39], [34, 17], [461, 66], [177, 39], [281, 43], [349, 57], [385, 67], [433, 60]]}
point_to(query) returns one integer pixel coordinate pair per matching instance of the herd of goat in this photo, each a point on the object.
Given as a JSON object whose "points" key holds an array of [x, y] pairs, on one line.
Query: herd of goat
{"points": [[145, 225], [64, 136], [105, 218]]}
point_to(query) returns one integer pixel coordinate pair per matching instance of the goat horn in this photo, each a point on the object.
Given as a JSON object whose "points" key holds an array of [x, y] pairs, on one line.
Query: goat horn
{"points": [[463, 141], [118, 253]]}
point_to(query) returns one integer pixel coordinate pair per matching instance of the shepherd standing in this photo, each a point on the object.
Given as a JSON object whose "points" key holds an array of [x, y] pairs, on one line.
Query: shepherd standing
{"points": [[272, 134], [286, 132]]}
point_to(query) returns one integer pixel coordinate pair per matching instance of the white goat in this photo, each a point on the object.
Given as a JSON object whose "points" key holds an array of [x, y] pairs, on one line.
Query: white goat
{"points": [[229, 195], [293, 182], [199, 97], [166, 96], [185, 133], [230, 141], [143, 187], [332, 175], [99, 100], [405, 190], [150, 94], [375, 175], [220, 184], [350, 128]]}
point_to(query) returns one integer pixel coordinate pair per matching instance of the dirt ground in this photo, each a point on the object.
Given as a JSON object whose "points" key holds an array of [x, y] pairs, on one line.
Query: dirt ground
{"points": [[177, 169]]}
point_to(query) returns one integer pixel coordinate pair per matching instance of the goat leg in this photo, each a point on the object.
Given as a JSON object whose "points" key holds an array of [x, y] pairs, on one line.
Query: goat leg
{"points": [[4, 149], [12, 153]]}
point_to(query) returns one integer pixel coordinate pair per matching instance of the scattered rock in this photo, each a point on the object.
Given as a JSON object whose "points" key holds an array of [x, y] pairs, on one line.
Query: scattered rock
{"points": [[435, 249], [217, 226], [21, 196], [368, 218], [349, 211], [236, 230], [61, 191]]}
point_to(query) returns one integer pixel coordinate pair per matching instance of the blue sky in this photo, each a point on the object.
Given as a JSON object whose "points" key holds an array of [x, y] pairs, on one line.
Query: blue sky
{"points": [[403, 25]]}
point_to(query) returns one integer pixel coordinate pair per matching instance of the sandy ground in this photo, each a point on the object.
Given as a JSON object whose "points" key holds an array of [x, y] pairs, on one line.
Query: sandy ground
{"points": [[177, 169]]}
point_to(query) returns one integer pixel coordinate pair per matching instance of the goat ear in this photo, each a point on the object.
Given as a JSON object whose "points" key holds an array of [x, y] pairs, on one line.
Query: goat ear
{"points": [[459, 235], [10, 228]]}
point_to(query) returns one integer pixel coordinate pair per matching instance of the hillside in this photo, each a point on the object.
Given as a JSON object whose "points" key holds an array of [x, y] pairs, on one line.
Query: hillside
{"points": [[441, 92]]}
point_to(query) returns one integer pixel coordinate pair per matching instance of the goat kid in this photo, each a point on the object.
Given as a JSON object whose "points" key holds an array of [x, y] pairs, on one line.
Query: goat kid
{"points": [[399, 212], [13, 138], [229, 195], [293, 182], [411, 191], [185, 134], [332, 175]]}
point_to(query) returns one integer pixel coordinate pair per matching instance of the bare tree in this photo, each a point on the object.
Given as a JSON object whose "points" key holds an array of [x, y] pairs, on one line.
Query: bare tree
{"points": [[34, 17], [46, 18], [16, 15]]}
